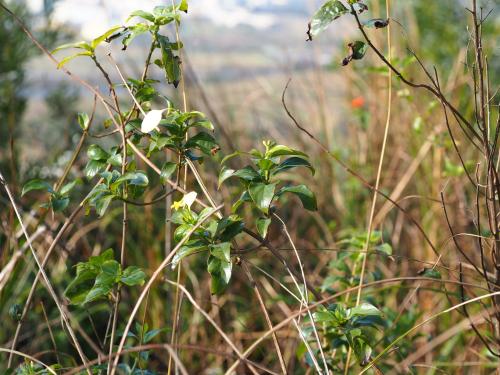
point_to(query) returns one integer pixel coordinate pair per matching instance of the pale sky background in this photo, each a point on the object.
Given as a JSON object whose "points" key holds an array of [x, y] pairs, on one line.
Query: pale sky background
{"points": [[90, 17]]}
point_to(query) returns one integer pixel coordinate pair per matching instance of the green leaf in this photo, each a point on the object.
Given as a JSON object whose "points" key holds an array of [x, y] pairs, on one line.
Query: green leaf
{"points": [[330, 11], [93, 167], [99, 260], [365, 309], [188, 249], [384, 248], [140, 13], [136, 178], [167, 170], [36, 184], [280, 150], [94, 43], [116, 159], [228, 228], [78, 45], [220, 271], [305, 195], [59, 203], [247, 173], [357, 51], [71, 57], [431, 273], [134, 31], [83, 120], [150, 335], [204, 123], [170, 62], [230, 156], [69, 186], [80, 286], [105, 281], [293, 162], [183, 6], [262, 195], [95, 152], [102, 204], [133, 276], [262, 225], [204, 142], [221, 251]]}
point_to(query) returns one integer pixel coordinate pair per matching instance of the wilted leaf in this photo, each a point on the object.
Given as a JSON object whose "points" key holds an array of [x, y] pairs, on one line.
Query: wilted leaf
{"points": [[377, 23], [357, 51]]}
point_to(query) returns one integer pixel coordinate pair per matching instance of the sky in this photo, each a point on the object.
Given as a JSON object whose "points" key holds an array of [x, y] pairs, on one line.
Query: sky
{"points": [[88, 15]]}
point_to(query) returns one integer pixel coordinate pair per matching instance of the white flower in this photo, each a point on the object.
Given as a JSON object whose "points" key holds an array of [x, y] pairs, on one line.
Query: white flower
{"points": [[151, 120], [189, 198], [186, 201]]}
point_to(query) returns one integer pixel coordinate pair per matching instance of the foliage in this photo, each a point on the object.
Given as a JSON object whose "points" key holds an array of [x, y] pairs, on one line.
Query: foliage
{"points": [[347, 294]]}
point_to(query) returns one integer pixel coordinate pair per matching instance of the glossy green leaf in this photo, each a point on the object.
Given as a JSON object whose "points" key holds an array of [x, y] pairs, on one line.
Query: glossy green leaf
{"points": [[67, 59], [221, 251], [228, 227], [83, 120], [167, 170], [59, 203], [170, 62], [220, 271], [204, 142], [101, 38], [142, 14], [78, 45], [365, 309], [133, 276], [281, 150], [262, 195], [136, 178], [183, 6], [305, 195], [331, 10], [102, 204], [293, 162], [263, 225], [96, 152], [189, 248], [93, 167], [36, 184], [105, 281], [247, 173], [133, 32], [65, 189]]}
